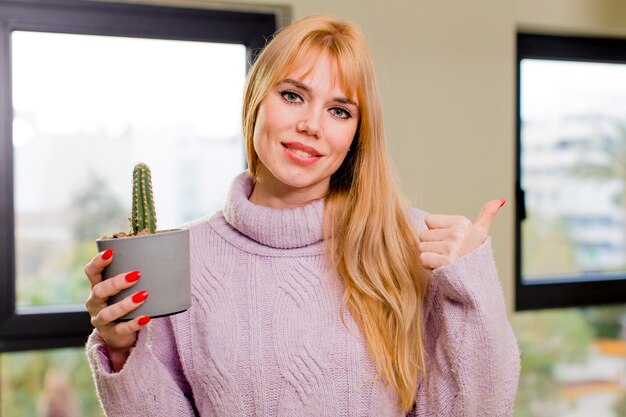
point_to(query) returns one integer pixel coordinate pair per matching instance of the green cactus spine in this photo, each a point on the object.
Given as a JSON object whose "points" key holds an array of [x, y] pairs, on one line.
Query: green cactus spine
{"points": [[143, 215]]}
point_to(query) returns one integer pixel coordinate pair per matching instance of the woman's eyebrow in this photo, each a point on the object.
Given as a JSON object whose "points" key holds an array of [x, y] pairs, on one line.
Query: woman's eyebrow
{"points": [[297, 84], [344, 100], [302, 86]]}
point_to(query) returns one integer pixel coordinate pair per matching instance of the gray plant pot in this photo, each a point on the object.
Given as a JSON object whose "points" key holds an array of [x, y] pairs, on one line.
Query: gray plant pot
{"points": [[163, 259]]}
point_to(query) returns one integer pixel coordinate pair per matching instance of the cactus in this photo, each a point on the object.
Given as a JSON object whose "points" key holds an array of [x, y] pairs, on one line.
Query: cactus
{"points": [[143, 216]]}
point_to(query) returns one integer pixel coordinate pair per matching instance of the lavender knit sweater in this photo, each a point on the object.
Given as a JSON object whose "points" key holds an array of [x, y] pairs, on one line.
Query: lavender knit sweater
{"points": [[264, 335]]}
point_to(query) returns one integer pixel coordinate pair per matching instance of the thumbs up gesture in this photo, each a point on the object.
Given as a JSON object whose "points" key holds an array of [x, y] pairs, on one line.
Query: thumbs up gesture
{"points": [[451, 237]]}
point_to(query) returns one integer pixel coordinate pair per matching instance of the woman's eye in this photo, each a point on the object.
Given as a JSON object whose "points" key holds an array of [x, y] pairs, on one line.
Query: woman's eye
{"points": [[340, 113], [291, 97]]}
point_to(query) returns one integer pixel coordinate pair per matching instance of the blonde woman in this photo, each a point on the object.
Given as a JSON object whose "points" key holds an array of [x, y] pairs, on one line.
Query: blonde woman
{"points": [[316, 291]]}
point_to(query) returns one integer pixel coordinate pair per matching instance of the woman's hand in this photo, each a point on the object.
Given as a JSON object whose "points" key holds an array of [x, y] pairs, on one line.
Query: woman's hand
{"points": [[119, 337], [450, 237]]}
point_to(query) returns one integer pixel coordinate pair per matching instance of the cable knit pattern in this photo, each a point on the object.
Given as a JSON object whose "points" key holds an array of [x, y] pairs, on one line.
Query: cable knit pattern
{"points": [[264, 335]]}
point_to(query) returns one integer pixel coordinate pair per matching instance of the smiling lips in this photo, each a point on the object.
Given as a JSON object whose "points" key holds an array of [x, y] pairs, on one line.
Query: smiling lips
{"points": [[300, 153]]}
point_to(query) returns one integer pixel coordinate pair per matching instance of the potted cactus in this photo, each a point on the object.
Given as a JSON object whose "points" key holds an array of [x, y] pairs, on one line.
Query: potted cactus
{"points": [[161, 256]]}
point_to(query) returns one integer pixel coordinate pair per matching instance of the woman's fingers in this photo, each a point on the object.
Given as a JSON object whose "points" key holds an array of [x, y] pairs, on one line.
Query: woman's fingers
{"points": [[94, 268], [128, 327], [109, 287], [108, 315], [440, 247], [444, 221], [122, 336], [487, 214], [451, 237], [433, 235], [432, 260], [116, 335]]}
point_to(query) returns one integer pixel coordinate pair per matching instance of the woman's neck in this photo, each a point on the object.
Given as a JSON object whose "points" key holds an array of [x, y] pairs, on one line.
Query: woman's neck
{"points": [[271, 192]]}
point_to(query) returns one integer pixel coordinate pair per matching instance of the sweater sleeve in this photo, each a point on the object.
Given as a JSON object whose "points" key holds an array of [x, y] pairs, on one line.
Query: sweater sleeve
{"points": [[150, 384], [473, 360]]}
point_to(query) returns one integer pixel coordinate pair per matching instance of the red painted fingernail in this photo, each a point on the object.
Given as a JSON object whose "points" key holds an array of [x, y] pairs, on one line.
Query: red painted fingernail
{"points": [[133, 276], [107, 254], [144, 320], [140, 296], [503, 202]]}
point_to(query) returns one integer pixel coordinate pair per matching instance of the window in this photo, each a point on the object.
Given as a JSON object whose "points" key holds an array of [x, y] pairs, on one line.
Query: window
{"points": [[571, 228], [52, 382], [573, 362], [87, 90]]}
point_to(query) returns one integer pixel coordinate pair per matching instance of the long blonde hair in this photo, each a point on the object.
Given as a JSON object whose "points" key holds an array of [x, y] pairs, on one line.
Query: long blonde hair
{"points": [[369, 238]]}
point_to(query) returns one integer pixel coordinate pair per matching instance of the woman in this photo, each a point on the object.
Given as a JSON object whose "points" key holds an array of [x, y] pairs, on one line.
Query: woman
{"points": [[316, 292]]}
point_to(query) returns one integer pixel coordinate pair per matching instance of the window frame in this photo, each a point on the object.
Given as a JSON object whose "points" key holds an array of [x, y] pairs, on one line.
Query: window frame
{"points": [[65, 326], [564, 292]]}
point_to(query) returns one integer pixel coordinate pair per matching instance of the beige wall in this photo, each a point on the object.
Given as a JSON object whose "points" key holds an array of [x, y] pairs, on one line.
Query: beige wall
{"points": [[447, 74], [601, 17]]}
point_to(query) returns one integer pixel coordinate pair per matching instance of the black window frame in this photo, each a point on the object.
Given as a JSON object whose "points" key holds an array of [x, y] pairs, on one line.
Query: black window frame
{"points": [[53, 327], [565, 292]]}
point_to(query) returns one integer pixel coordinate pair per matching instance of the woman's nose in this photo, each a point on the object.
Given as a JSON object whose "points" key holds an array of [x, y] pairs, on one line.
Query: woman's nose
{"points": [[310, 124]]}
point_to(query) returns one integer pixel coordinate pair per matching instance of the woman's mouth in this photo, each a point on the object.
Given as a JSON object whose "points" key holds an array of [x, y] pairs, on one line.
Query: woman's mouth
{"points": [[300, 153]]}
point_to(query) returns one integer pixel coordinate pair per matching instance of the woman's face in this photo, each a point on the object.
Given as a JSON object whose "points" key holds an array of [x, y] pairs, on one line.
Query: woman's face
{"points": [[304, 128]]}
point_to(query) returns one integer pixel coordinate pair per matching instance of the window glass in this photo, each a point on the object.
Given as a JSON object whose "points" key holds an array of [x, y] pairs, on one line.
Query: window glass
{"points": [[86, 109], [47, 383], [573, 362], [573, 170]]}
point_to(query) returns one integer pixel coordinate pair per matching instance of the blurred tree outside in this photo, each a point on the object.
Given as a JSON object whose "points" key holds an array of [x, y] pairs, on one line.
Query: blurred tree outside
{"points": [[620, 407], [546, 338], [57, 398], [547, 249], [50, 383], [50, 274], [98, 212], [608, 322]]}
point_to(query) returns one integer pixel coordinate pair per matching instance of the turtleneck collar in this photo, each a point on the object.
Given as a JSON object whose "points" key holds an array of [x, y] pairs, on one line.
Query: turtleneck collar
{"points": [[277, 228]]}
